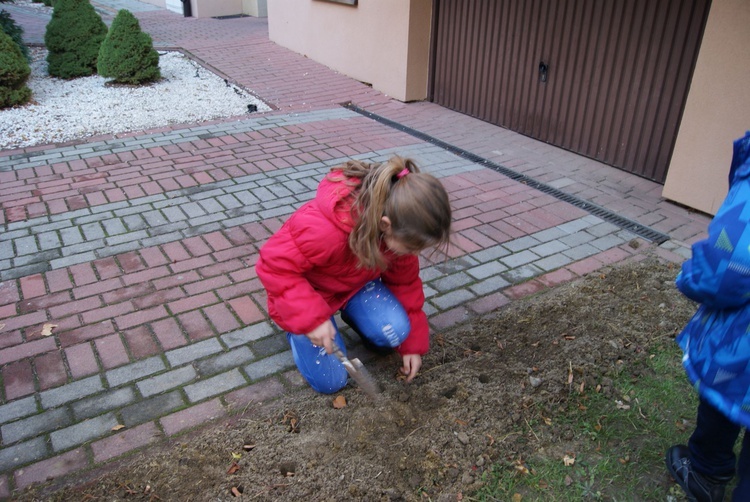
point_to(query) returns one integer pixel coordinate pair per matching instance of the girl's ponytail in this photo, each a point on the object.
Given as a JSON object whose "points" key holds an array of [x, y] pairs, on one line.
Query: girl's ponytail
{"points": [[415, 203]]}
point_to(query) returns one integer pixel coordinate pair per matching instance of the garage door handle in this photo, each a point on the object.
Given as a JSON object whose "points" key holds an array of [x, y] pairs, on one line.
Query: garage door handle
{"points": [[543, 69]]}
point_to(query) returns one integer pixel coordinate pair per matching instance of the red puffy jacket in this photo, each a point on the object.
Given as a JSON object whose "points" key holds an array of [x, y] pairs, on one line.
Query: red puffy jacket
{"points": [[310, 272]]}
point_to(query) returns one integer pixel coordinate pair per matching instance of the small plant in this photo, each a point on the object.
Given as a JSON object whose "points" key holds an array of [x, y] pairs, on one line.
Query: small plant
{"points": [[73, 37], [127, 54], [14, 31], [14, 72]]}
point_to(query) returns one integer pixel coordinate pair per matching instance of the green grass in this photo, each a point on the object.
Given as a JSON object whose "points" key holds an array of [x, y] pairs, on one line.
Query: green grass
{"points": [[619, 453]]}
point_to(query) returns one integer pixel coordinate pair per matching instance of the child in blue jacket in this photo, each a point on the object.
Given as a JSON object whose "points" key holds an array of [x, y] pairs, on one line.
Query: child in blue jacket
{"points": [[716, 346]]}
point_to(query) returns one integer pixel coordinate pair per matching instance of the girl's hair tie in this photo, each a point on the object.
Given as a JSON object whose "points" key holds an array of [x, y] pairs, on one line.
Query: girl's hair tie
{"points": [[403, 173]]}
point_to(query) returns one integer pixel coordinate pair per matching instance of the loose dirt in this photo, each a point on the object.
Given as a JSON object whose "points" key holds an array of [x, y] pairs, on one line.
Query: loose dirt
{"points": [[479, 387]]}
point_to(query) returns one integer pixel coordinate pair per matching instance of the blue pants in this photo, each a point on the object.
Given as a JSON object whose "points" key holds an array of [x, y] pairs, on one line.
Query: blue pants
{"points": [[375, 313], [712, 449]]}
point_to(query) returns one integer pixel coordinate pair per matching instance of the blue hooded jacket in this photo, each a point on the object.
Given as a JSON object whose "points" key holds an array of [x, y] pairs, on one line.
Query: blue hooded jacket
{"points": [[716, 342]]}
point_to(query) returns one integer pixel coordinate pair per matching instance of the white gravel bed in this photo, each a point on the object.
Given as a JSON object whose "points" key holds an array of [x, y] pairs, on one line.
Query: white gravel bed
{"points": [[65, 110]]}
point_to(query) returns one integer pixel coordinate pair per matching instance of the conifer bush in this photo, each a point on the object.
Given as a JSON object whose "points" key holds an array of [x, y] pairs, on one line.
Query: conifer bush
{"points": [[73, 37], [14, 31], [14, 72], [127, 54]]}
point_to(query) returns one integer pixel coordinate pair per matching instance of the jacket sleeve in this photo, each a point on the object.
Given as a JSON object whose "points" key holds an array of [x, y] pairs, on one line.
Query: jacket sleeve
{"points": [[293, 303], [718, 272], [402, 278]]}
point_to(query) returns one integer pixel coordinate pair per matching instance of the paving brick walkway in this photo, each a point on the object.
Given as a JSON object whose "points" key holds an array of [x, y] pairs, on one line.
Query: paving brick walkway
{"points": [[140, 248]]}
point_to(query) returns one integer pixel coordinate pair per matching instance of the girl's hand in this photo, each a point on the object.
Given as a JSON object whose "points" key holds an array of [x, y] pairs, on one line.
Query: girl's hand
{"points": [[412, 363], [323, 336]]}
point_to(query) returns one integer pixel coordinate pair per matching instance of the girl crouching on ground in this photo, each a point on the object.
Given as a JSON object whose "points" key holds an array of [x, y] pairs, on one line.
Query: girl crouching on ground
{"points": [[355, 248]]}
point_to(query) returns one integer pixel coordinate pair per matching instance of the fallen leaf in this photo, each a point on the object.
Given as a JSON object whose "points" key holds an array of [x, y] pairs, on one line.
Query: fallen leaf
{"points": [[236, 492], [520, 467], [570, 373], [517, 497], [291, 418], [118, 427], [339, 402], [621, 406], [233, 468], [294, 426], [248, 446], [568, 481], [568, 460], [236, 456], [47, 329]]}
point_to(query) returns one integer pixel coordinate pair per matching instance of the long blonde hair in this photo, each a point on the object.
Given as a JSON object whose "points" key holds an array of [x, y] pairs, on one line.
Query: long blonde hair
{"points": [[416, 204]]}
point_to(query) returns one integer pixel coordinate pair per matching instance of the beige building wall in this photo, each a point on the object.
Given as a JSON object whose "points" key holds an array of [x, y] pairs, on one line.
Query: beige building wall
{"points": [[717, 110], [382, 42], [213, 8]]}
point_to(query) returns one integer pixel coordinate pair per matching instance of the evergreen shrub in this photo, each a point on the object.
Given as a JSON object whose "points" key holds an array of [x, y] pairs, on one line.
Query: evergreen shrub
{"points": [[14, 72], [73, 37], [127, 54], [14, 31]]}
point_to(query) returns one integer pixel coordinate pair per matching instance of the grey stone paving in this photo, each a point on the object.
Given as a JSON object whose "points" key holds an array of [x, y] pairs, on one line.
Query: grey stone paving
{"points": [[59, 241], [69, 153]]}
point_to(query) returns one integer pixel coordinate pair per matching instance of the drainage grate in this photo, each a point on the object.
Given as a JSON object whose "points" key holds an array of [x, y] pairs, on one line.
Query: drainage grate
{"points": [[233, 16], [605, 214]]}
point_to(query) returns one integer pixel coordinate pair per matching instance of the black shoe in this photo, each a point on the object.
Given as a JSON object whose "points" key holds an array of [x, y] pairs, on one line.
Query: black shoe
{"points": [[366, 343], [697, 487]]}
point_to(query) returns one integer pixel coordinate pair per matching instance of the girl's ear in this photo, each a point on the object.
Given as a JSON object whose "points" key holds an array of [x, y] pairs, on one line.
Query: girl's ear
{"points": [[385, 224]]}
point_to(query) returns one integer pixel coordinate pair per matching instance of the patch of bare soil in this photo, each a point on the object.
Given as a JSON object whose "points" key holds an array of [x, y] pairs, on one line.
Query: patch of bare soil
{"points": [[479, 386]]}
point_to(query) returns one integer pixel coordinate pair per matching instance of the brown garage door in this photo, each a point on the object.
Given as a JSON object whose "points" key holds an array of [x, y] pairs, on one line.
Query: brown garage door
{"points": [[603, 78]]}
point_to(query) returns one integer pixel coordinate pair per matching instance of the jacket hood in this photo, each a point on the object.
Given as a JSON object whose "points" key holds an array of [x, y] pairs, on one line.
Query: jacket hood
{"points": [[334, 200]]}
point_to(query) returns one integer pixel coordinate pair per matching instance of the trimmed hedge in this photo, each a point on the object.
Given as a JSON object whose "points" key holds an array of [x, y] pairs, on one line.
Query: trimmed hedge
{"points": [[127, 54], [14, 72], [73, 37]]}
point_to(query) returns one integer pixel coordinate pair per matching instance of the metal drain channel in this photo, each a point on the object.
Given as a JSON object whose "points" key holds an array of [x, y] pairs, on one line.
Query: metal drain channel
{"points": [[605, 214]]}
